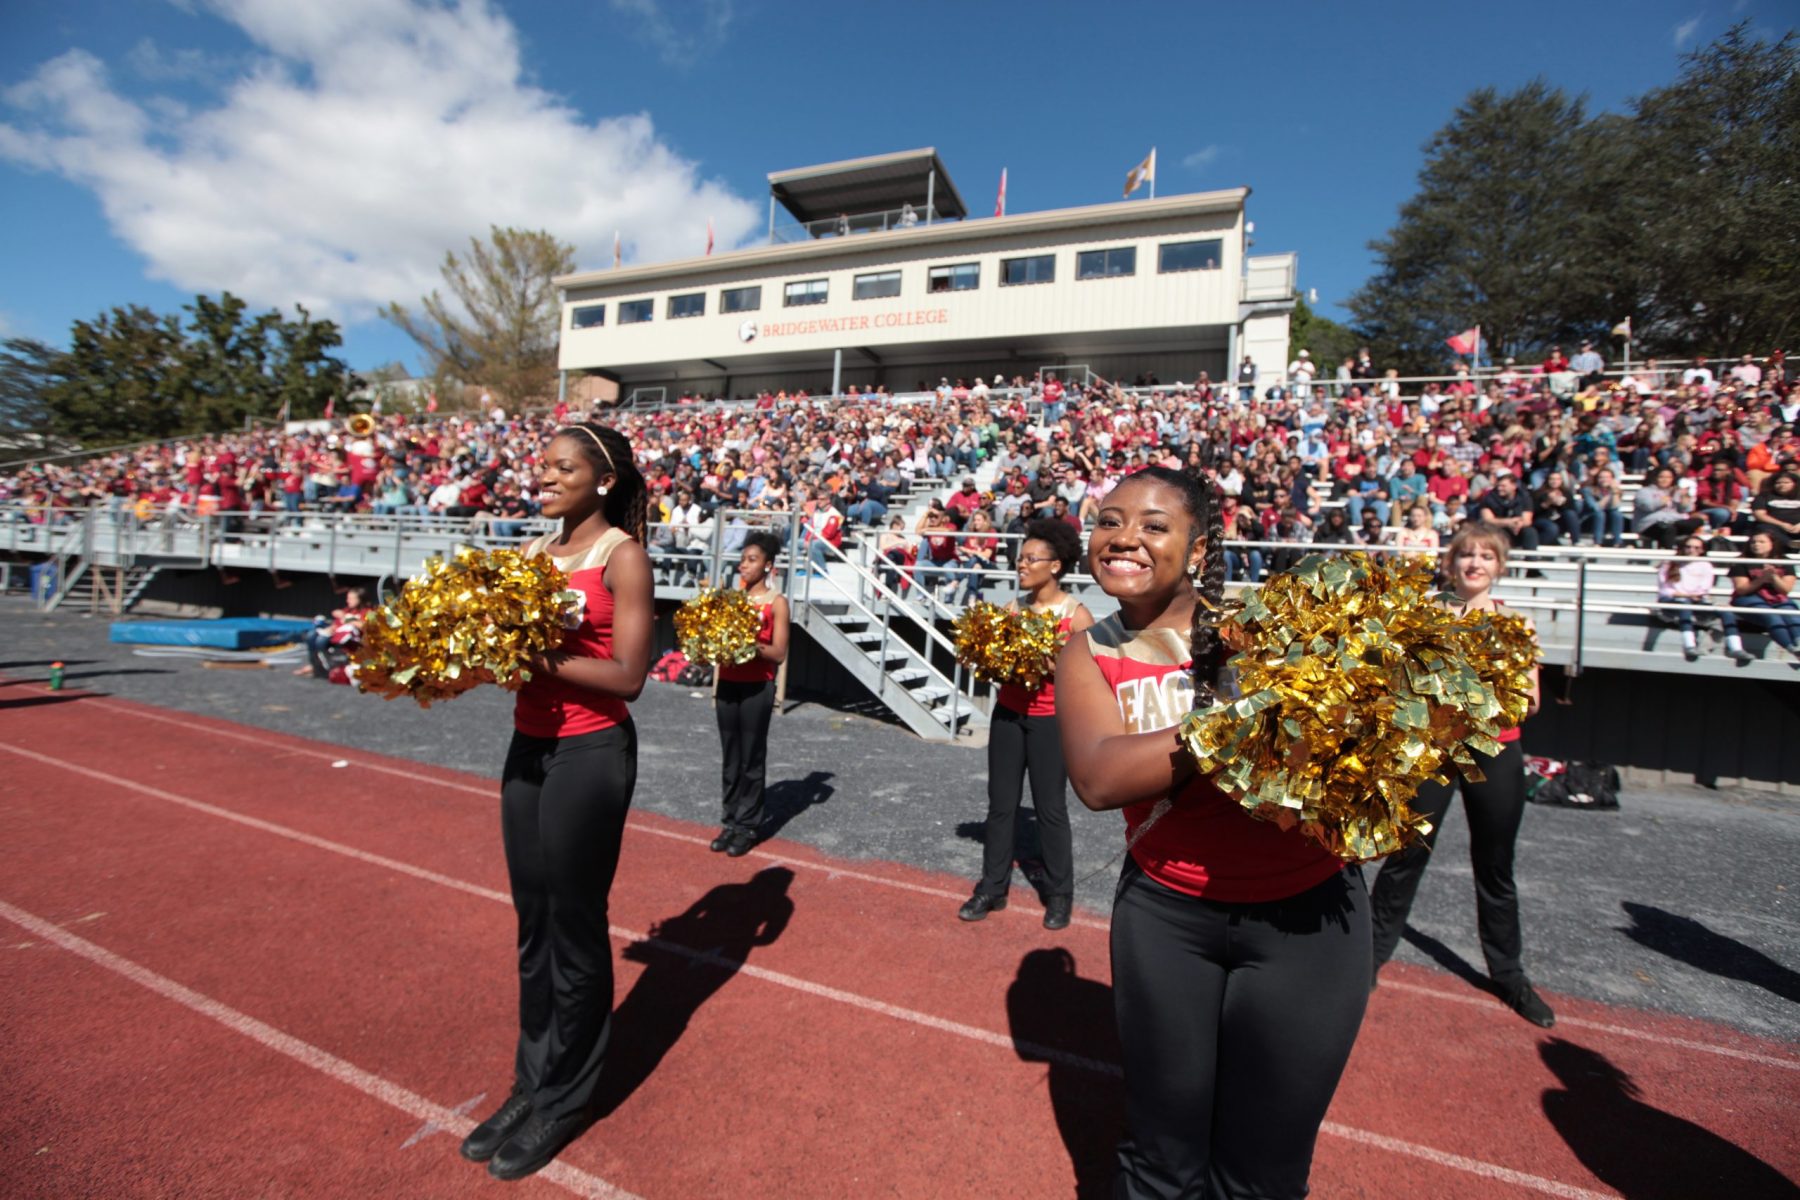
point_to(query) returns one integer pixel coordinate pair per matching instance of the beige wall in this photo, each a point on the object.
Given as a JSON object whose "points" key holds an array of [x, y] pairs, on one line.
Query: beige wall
{"points": [[1147, 300]]}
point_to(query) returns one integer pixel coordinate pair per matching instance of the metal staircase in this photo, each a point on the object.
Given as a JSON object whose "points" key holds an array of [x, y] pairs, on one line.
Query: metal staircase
{"points": [[95, 587]]}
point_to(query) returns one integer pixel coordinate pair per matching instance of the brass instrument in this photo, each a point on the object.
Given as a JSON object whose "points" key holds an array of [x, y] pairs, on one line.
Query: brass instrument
{"points": [[360, 424]]}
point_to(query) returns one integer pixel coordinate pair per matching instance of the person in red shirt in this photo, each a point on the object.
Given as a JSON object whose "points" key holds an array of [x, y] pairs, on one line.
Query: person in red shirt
{"points": [[1240, 950], [745, 700], [564, 794], [963, 502], [1476, 557]]}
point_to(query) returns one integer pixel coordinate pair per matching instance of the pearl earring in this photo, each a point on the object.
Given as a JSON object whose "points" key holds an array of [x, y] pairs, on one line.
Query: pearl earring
{"points": [[599, 491]]}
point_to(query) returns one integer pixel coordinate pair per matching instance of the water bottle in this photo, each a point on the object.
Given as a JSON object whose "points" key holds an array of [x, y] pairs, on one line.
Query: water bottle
{"points": [[56, 676]]}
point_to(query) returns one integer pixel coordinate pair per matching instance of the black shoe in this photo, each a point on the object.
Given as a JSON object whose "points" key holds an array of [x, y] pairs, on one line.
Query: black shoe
{"points": [[721, 842], [1528, 1004], [537, 1141], [1056, 912], [978, 906], [487, 1137], [740, 843]]}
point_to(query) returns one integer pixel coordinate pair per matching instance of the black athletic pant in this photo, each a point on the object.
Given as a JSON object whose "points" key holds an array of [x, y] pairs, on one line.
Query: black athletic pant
{"points": [[562, 813], [1235, 1021], [1018, 744], [744, 710], [1494, 808]]}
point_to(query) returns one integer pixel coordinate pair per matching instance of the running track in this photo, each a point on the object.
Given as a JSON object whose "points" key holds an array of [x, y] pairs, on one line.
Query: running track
{"points": [[237, 963]]}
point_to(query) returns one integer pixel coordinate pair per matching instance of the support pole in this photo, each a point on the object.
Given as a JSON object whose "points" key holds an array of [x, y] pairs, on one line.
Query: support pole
{"points": [[837, 373], [771, 218], [931, 196]]}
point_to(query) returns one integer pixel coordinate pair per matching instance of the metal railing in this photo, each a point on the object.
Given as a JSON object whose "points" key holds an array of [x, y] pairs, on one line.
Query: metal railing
{"points": [[850, 224]]}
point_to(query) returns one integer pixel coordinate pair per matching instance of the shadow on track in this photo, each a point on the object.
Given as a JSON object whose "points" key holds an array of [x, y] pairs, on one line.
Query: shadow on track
{"points": [[1448, 959], [1638, 1150], [46, 698], [788, 798], [1050, 1007], [1688, 941], [687, 959]]}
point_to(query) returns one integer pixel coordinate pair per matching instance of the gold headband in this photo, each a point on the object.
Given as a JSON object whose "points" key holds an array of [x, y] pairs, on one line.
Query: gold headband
{"points": [[613, 467]]}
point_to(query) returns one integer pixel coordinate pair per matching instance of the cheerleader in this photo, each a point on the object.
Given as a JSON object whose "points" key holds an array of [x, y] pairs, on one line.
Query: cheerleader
{"points": [[1240, 951], [1023, 737], [1494, 807], [564, 793], [746, 700]]}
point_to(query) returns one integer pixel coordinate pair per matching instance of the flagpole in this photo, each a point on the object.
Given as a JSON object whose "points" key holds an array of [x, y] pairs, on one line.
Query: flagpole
{"points": [[1153, 172]]}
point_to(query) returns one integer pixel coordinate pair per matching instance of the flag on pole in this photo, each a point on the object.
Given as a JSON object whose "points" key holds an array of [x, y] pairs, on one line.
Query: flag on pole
{"points": [[330, 406], [1466, 342], [431, 400], [618, 250], [709, 235], [1000, 200], [1144, 172], [1623, 329]]}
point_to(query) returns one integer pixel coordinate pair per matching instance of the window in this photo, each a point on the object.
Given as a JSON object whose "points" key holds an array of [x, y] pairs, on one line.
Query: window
{"points": [[807, 291], [691, 305], [876, 286], [586, 316], [1101, 264], [1040, 268], [1188, 256], [633, 311], [963, 277], [745, 299]]}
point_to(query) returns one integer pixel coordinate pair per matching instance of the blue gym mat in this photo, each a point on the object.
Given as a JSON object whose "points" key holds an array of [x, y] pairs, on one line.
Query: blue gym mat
{"points": [[229, 633]]}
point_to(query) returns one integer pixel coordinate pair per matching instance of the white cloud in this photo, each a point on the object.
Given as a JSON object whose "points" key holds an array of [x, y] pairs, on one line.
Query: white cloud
{"points": [[680, 45], [1205, 156], [1684, 32], [366, 139]]}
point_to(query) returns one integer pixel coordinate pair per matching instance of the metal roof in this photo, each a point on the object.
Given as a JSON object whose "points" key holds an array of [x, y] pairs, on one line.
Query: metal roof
{"points": [[862, 185]]}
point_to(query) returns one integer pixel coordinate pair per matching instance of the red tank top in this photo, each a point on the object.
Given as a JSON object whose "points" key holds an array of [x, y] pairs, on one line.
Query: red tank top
{"points": [[1041, 703], [550, 708], [1206, 845], [758, 669]]}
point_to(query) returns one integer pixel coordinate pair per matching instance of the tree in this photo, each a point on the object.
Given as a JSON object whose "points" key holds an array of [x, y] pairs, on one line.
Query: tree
{"points": [[135, 375], [1492, 237], [27, 369], [500, 326], [1328, 342], [1721, 219]]}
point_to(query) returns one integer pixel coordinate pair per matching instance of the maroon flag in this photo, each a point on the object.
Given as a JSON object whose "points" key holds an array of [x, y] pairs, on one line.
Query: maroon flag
{"points": [[1000, 200], [709, 235], [1466, 341]]}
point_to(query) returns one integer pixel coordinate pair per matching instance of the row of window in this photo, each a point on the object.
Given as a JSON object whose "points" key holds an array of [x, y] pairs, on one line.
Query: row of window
{"points": [[1171, 257]]}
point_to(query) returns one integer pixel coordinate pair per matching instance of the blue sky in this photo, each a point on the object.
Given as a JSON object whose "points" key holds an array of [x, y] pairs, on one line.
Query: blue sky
{"points": [[330, 151]]}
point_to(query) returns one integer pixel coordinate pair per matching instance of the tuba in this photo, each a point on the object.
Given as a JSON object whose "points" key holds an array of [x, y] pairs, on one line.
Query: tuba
{"points": [[360, 425]]}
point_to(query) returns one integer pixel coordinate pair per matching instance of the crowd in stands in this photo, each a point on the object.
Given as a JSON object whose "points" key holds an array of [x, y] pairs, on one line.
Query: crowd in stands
{"points": [[1551, 453]]}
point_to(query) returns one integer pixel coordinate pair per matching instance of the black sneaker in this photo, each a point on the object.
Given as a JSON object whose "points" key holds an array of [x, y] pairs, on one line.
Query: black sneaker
{"points": [[1528, 1004], [1056, 912], [487, 1137], [537, 1141], [978, 906], [740, 843], [721, 842]]}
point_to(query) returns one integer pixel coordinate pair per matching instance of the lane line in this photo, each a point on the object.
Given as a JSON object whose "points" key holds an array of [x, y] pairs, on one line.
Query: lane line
{"points": [[574, 1179], [490, 793], [1489, 1002], [824, 991], [1482, 1002]]}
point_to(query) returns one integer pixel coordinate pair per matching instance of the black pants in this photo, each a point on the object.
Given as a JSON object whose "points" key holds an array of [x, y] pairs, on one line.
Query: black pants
{"points": [[562, 812], [744, 710], [1667, 535], [1235, 1021], [1018, 744], [1494, 808]]}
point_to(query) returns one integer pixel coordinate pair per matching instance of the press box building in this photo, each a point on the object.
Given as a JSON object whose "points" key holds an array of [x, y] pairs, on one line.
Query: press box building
{"points": [[874, 274]]}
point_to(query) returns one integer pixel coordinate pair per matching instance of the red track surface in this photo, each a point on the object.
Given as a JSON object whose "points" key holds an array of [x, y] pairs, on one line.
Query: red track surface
{"points": [[233, 968]]}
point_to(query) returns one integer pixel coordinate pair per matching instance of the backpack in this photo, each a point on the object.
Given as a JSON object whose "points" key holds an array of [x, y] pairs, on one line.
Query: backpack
{"points": [[1580, 785], [695, 675]]}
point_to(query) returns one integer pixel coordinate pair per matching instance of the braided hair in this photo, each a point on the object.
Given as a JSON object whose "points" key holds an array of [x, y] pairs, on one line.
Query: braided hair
{"points": [[627, 503], [1204, 503]]}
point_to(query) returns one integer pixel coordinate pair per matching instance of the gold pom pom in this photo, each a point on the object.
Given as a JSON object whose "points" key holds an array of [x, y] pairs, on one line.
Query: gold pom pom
{"points": [[1007, 647], [477, 618], [719, 626], [1357, 684]]}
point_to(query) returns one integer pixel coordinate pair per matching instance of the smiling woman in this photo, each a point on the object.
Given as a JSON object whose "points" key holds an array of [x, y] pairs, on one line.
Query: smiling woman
{"points": [[1211, 903]]}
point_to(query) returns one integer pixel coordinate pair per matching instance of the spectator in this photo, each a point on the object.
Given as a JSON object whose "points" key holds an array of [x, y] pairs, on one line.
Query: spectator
{"points": [[1506, 508], [1765, 589], [1777, 506], [1416, 535], [897, 550], [342, 628], [1556, 511], [1242, 563], [963, 502], [975, 556], [1368, 493], [1604, 515], [1588, 364], [1246, 381], [1687, 581], [1300, 375], [1720, 494], [1660, 511]]}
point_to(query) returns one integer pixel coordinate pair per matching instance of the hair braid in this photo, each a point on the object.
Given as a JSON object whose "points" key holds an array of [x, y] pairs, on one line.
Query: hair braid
{"points": [[627, 504], [1207, 647]]}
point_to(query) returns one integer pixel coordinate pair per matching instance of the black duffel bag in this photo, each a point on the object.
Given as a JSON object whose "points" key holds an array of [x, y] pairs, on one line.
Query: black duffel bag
{"points": [[1581, 785]]}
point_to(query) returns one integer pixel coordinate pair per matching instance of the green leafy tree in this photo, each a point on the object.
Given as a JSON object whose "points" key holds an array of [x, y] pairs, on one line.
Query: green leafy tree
{"points": [[500, 325], [1328, 342], [27, 369], [123, 378]]}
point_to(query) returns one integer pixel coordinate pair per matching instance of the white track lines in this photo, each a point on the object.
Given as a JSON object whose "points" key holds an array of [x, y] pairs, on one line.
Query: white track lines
{"points": [[305, 1053], [444, 1117]]}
